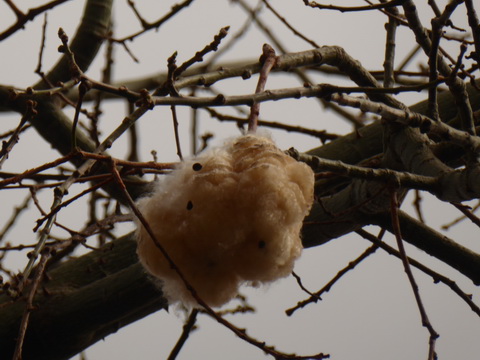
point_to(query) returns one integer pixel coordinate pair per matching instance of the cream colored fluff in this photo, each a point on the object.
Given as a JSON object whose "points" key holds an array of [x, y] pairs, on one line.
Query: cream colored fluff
{"points": [[229, 217]]}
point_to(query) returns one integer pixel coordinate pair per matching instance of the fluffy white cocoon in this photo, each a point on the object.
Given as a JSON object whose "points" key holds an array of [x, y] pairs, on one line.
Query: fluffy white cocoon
{"points": [[229, 217]]}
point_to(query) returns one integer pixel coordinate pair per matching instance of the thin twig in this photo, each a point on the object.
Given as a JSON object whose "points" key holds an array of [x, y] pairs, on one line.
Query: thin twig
{"points": [[474, 25], [153, 25], [82, 90], [432, 110], [188, 327], [389, 62], [38, 70], [232, 39], [408, 58], [406, 265], [268, 60], [7, 146], [399, 178], [64, 204], [177, 136], [302, 75], [434, 275], [314, 297], [29, 307], [198, 57], [10, 132], [468, 214], [194, 127], [417, 206], [406, 117], [241, 333], [99, 96], [323, 135], [133, 138], [23, 18], [384, 5], [456, 85], [300, 284], [287, 24], [60, 191], [170, 86], [13, 217]]}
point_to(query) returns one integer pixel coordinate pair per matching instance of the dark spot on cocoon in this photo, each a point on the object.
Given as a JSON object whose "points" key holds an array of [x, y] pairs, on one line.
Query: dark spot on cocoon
{"points": [[262, 244], [197, 167], [189, 205]]}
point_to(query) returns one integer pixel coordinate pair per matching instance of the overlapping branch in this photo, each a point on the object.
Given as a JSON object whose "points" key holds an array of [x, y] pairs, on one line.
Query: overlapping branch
{"points": [[361, 196], [23, 18]]}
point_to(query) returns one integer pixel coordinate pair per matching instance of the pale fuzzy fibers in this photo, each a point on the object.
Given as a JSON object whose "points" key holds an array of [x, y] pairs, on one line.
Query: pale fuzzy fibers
{"points": [[236, 220]]}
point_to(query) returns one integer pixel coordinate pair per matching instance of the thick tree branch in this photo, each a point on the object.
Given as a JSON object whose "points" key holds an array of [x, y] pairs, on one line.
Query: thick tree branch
{"points": [[107, 289], [98, 293], [438, 245]]}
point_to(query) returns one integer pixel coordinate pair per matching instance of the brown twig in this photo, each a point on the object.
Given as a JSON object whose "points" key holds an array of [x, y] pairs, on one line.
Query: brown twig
{"points": [[82, 90], [188, 327], [303, 77], [13, 217], [133, 139], [241, 333], [385, 5], [61, 205], [232, 39], [409, 57], [174, 72], [456, 85], [436, 34], [198, 57], [170, 86], [194, 120], [386, 176], [84, 86], [23, 18], [18, 178], [474, 25], [7, 146], [289, 26], [67, 246], [38, 70], [177, 136], [29, 307], [389, 62], [416, 120], [300, 284], [434, 275], [323, 135], [268, 60], [11, 132], [406, 265], [125, 163], [314, 297], [99, 97], [60, 191], [101, 183], [468, 214], [417, 206], [151, 25]]}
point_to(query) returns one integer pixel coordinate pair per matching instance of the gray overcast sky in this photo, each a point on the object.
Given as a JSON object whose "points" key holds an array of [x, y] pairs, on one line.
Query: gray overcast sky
{"points": [[371, 313]]}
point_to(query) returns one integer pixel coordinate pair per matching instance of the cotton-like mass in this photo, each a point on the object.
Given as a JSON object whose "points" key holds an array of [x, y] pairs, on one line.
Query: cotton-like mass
{"points": [[229, 217]]}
